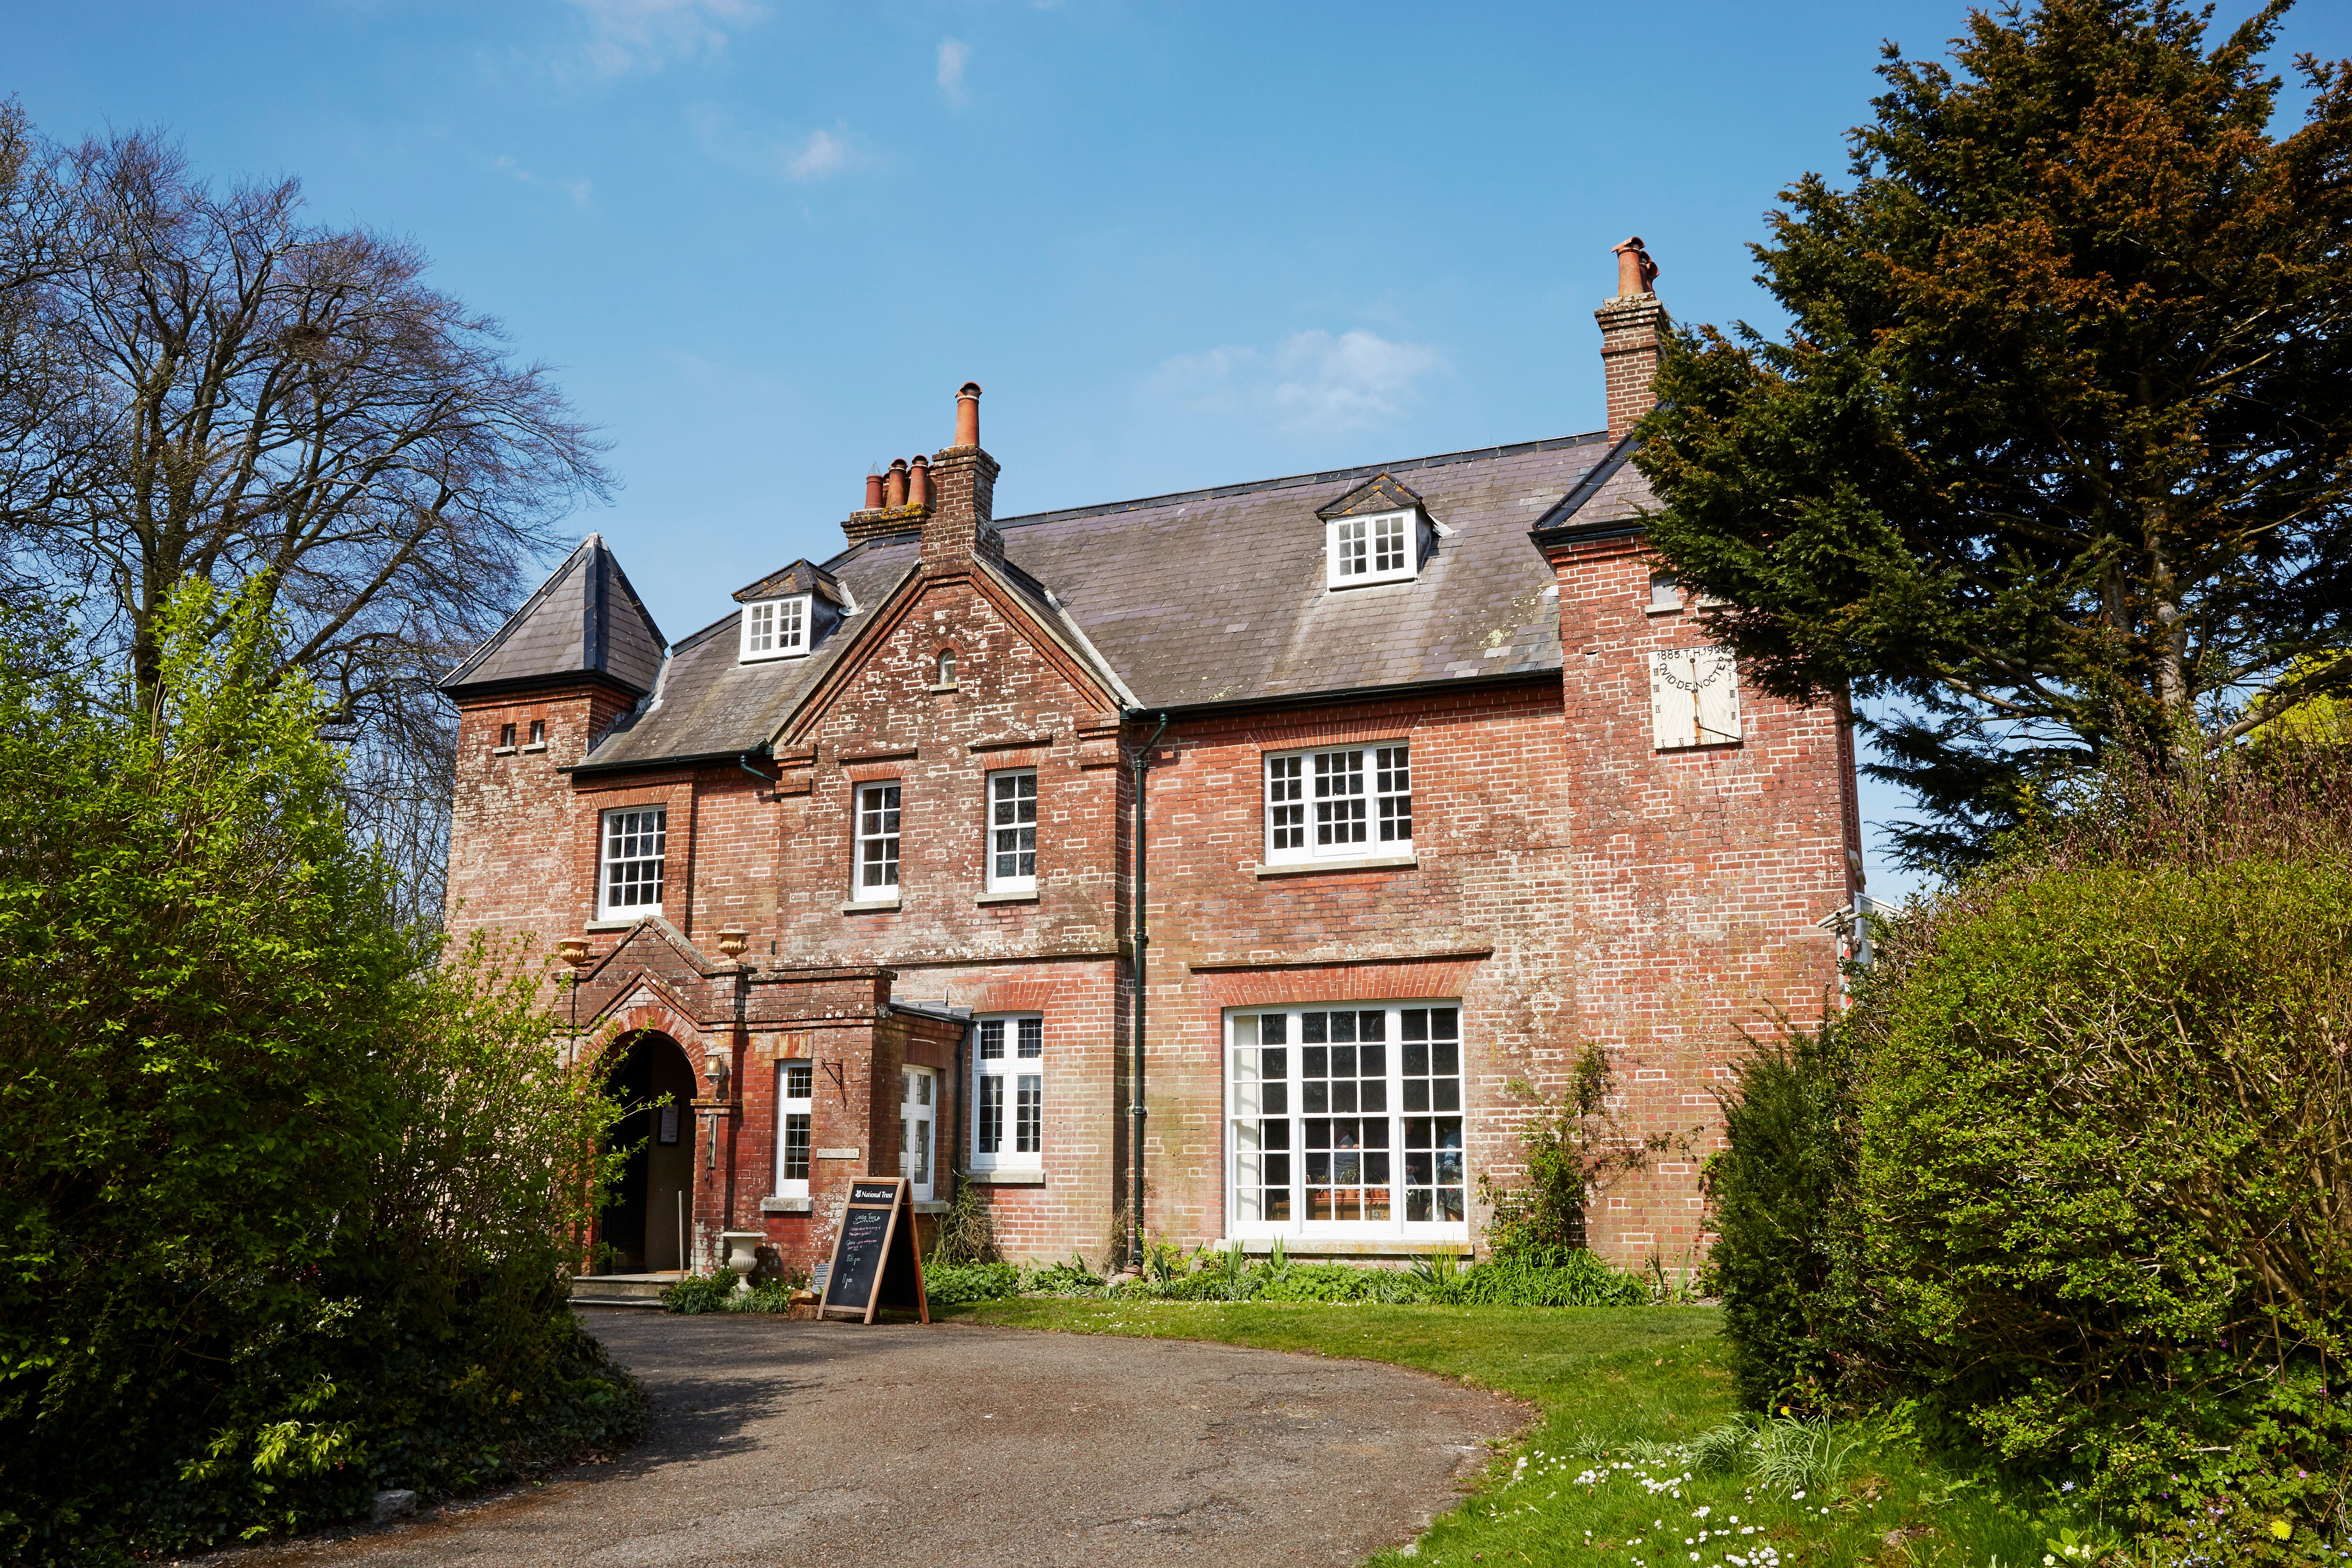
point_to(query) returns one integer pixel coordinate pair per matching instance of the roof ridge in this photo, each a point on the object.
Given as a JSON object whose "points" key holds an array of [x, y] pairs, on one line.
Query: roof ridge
{"points": [[1329, 476]]}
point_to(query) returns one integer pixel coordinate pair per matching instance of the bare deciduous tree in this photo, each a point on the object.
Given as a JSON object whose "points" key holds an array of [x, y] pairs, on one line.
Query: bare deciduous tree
{"points": [[202, 383]]}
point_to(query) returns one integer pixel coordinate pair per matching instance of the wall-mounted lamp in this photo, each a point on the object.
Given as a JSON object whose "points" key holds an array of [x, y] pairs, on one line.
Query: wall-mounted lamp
{"points": [[714, 1070]]}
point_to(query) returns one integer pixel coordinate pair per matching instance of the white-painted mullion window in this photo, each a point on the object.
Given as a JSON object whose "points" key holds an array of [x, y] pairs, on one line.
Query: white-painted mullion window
{"points": [[796, 1105], [1008, 1130], [1346, 1121], [918, 1117], [1012, 831], [629, 873], [1342, 804], [876, 874], [775, 629], [1378, 549]]}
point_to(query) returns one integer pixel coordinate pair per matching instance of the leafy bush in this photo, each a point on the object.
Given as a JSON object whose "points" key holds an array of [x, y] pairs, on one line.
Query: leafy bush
{"points": [[2107, 1124], [1571, 1153], [1780, 1200], [284, 1197], [1554, 1276], [1338, 1282], [2064, 1179], [1071, 1279], [954, 1283], [695, 1294]]}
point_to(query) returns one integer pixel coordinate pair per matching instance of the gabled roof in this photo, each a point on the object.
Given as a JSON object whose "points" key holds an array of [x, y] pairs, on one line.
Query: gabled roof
{"points": [[585, 622], [1208, 597], [1610, 500], [1381, 493], [803, 576]]}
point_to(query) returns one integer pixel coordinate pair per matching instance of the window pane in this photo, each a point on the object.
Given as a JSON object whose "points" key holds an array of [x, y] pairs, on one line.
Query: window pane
{"points": [[633, 842], [796, 1147], [1286, 791], [799, 1078], [992, 1039], [989, 1122], [1029, 1125], [1033, 1038]]}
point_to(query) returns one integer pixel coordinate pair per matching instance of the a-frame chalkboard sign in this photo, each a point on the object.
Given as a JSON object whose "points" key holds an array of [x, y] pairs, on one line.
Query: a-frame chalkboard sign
{"points": [[874, 1259]]}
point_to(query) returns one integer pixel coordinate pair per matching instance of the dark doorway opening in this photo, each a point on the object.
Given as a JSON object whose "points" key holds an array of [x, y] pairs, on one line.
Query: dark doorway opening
{"points": [[646, 1227]]}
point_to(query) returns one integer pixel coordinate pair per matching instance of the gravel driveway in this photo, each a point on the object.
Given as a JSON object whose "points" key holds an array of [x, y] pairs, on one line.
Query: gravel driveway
{"points": [[832, 1443]]}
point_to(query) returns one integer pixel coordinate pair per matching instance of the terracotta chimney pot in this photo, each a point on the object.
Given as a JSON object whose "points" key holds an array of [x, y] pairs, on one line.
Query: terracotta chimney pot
{"points": [[874, 491], [894, 488], [1636, 270], [918, 481], [968, 414]]}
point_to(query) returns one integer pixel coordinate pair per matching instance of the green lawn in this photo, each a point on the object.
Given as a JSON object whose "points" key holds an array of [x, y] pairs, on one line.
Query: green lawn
{"points": [[1575, 1489]]}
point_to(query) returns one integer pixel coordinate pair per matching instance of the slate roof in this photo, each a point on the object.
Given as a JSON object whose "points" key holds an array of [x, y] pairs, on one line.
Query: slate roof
{"points": [[1208, 597], [1379, 494], [585, 619], [1609, 499]]}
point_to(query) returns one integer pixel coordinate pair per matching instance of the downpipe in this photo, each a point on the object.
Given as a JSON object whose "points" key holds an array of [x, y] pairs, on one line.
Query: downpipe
{"points": [[1142, 763]]}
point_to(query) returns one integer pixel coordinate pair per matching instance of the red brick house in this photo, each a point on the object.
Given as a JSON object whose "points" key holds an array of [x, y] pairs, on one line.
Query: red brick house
{"points": [[1261, 853]]}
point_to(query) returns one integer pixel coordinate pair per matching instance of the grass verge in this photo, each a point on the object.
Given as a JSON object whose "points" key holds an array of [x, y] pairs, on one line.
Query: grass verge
{"points": [[1587, 1485]]}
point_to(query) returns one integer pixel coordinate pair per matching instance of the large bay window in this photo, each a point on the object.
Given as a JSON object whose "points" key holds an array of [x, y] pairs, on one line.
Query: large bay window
{"points": [[629, 879], [1008, 1121], [1343, 804], [1346, 1121]]}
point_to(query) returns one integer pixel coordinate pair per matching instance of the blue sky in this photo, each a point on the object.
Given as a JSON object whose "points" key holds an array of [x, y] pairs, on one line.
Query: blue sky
{"points": [[1180, 246]]}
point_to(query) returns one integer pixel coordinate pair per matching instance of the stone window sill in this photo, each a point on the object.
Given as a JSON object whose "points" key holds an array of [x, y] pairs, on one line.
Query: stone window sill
{"points": [[617, 925], [1662, 609], [1006, 1178], [535, 746], [925, 1205], [1348, 1246], [1030, 896], [787, 1205], [502, 751], [870, 907], [1369, 863], [942, 690]]}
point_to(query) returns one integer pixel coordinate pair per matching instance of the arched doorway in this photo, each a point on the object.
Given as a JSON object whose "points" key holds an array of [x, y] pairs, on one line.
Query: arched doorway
{"points": [[647, 1224]]}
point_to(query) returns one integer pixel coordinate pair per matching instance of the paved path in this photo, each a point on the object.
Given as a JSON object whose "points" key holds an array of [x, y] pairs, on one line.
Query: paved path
{"points": [[778, 1442]]}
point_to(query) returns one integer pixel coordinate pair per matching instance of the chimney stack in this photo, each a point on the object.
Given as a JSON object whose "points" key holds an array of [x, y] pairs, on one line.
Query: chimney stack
{"points": [[918, 481], [893, 485], [963, 487], [1632, 326], [874, 492]]}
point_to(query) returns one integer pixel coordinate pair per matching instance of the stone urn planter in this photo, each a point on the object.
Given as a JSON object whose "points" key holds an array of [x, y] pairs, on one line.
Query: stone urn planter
{"points": [[743, 1254]]}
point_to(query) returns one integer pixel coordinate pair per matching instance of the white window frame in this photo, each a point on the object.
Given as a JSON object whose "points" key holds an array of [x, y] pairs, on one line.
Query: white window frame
{"points": [[919, 1128], [1008, 1092], [1377, 547], [1318, 800], [1250, 1109], [621, 835], [1006, 828], [792, 1106], [875, 823], [775, 629]]}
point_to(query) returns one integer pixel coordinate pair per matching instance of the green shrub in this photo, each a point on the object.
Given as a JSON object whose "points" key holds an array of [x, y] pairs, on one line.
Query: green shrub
{"points": [[1551, 1277], [952, 1284], [698, 1293], [1780, 1200], [1338, 1282], [283, 1207], [1071, 1279], [2103, 1145]]}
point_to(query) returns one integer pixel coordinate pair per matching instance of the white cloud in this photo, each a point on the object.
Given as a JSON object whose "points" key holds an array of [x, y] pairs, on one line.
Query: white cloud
{"points": [[822, 155], [1308, 382], [804, 159], [646, 35], [578, 190], [954, 53]]}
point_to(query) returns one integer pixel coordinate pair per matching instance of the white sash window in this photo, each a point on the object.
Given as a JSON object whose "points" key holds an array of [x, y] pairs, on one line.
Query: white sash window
{"points": [[1008, 1124], [1347, 1122]]}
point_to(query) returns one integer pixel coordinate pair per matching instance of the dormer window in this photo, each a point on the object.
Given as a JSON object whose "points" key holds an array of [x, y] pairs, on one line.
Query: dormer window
{"points": [[1377, 532], [775, 629]]}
